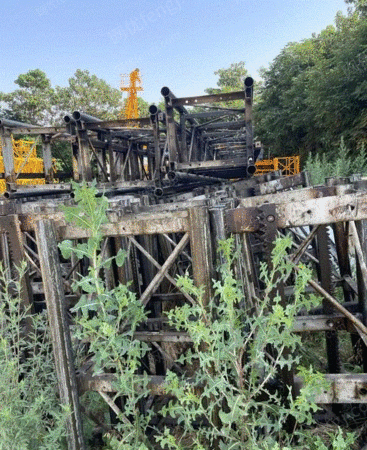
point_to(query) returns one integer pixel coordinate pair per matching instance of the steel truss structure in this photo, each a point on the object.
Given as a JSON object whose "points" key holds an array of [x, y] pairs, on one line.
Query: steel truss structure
{"points": [[176, 185]]}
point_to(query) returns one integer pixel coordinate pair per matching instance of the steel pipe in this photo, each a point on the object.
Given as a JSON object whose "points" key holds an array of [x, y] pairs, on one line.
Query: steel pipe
{"points": [[15, 123], [82, 117]]}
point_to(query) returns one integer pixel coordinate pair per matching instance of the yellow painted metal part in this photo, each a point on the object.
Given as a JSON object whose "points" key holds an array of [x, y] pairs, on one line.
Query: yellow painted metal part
{"points": [[289, 165], [23, 149], [131, 84]]}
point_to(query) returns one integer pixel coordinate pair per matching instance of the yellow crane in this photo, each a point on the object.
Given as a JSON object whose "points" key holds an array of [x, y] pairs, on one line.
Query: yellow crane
{"points": [[132, 84], [25, 161]]}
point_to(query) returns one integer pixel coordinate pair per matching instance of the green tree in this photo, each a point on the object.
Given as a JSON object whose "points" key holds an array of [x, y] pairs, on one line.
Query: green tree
{"points": [[315, 91], [89, 94], [32, 101], [360, 5], [230, 79]]}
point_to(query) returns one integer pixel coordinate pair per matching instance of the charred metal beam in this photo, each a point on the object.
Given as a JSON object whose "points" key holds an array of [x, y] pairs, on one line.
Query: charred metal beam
{"points": [[213, 98], [60, 334]]}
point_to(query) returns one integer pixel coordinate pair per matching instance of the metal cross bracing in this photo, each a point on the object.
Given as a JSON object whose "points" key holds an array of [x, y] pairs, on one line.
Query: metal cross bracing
{"points": [[165, 239], [171, 196]]}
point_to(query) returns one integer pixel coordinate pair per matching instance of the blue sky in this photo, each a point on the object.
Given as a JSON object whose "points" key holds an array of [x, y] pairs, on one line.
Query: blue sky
{"points": [[175, 43]]}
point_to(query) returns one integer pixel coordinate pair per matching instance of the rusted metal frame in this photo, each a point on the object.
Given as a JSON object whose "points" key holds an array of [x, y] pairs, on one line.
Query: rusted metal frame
{"points": [[108, 272], [201, 251], [323, 322], [302, 248], [193, 137], [167, 357], [318, 211], [212, 98], [59, 328], [153, 285], [106, 383], [134, 224], [183, 131], [98, 160], [162, 336], [8, 158], [220, 164], [215, 113], [359, 326], [359, 245], [171, 126], [251, 285], [282, 183], [38, 130], [158, 266], [214, 124], [121, 123], [297, 195], [171, 241], [249, 92], [83, 154], [127, 157], [47, 158], [147, 242], [157, 151], [34, 265], [325, 276], [345, 388], [135, 173], [10, 226]]}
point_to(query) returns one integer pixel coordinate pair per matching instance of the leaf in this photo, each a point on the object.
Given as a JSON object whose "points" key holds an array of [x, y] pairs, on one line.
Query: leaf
{"points": [[121, 257]]}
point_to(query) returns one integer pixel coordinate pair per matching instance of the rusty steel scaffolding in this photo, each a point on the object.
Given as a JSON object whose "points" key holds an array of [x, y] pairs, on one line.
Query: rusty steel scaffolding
{"points": [[176, 183]]}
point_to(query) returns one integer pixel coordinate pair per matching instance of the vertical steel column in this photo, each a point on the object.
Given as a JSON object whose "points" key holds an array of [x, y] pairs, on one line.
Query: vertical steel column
{"points": [[8, 158], [60, 334], [249, 82], [84, 167], [171, 126], [325, 268], [184, 153], [47, 158], [201, 250], [361, 226]]}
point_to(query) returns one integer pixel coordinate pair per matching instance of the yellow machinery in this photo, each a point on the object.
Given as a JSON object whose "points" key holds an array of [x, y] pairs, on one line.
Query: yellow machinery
{"points": [[289, 165], [131, 84], [25, 161]]}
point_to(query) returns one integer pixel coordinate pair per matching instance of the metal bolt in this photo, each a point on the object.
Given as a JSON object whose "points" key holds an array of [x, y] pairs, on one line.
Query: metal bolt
{"points": [[330, 323], [270, 218]]}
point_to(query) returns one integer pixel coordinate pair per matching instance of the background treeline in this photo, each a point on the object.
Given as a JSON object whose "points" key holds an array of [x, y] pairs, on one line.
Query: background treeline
{"points": [[315, 91]]}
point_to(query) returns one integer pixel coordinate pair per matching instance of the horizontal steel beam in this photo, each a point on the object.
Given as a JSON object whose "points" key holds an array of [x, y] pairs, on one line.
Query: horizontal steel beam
{"points": [[117, 123], [298, 195], [319, 211], [213, 98], [214, 113], [37, 130], [142, 224], [344, 388]]}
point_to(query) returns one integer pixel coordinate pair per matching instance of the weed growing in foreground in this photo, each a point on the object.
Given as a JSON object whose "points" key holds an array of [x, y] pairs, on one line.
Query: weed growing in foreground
{"points": [[235, 400], [31, 417]]}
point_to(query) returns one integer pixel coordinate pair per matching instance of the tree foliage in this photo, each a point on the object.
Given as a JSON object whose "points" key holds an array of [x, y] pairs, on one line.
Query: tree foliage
{"points": [[31, 102], [89, 94], [315, 91], [230, 79]]}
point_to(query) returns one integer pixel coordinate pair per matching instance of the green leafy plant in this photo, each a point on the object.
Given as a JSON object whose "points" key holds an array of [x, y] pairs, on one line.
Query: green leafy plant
{"points": [[342, 164], [31, 417], [236, 399], [107, 320]]}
